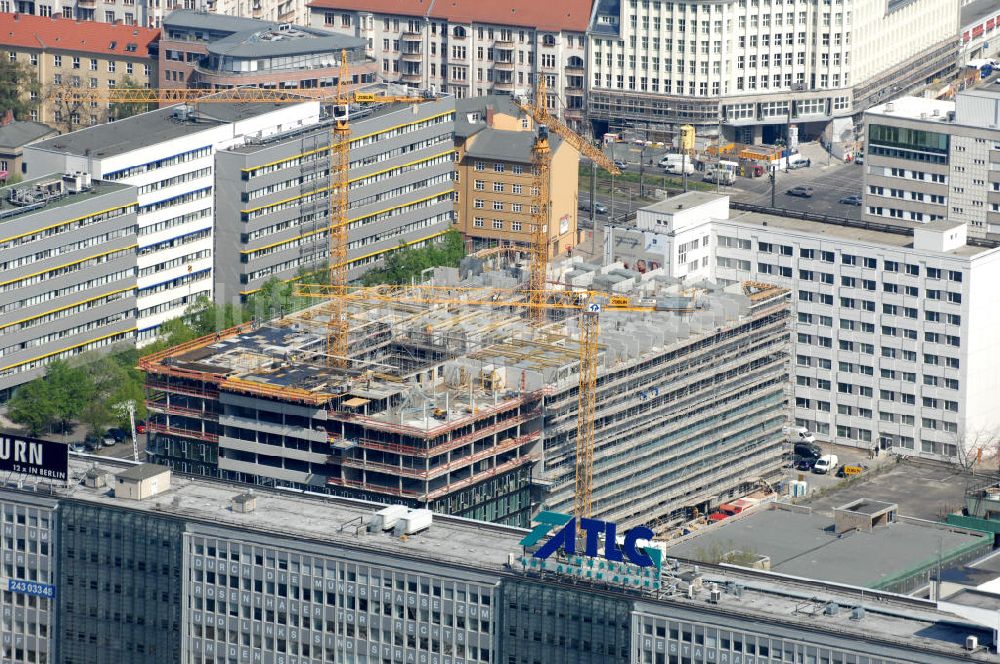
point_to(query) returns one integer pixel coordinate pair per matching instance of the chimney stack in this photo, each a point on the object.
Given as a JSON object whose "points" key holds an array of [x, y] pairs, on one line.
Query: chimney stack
{"points": [[489, 116]]}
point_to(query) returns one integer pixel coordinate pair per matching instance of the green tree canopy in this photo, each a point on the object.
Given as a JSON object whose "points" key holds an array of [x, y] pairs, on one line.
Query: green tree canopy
{"points": [[17, 83], [404, 264], [33, 407]]}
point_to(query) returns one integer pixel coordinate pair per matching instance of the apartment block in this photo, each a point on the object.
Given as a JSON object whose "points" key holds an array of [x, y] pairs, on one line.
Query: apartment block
{"points": [[145, 13], [759, 66], [893, 330], [169, 156], [65, 55], [277, 576], [67, 271], [928, 159], [214, 51], [273, 203], [495, 192], [469, 48]]}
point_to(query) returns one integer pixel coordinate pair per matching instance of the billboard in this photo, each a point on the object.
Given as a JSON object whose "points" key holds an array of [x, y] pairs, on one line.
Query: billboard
{"points": [[44, 459]]}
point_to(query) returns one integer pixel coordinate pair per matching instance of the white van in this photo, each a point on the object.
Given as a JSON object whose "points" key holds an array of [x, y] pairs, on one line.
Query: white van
{"points": [[826, 464], [798, 435], [672, 158], [679, 168]]}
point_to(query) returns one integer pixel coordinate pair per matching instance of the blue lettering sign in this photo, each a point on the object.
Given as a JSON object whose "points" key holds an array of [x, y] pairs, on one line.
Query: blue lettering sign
{"points": [[565, 539], [31, 588]]}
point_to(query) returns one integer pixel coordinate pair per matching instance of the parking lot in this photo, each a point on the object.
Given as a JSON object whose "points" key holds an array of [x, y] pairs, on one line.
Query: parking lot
{"points": [[922, 489]]}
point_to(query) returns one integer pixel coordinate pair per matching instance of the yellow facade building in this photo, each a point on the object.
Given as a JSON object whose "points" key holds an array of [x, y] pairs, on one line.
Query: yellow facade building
{"points": [[494, 179]]}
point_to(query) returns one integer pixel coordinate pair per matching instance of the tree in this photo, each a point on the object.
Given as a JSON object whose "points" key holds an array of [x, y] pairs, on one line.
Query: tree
{"points": [[71, 389], [121, 110], [68, 101], [18, 82], [33, 407], [404, 263], [972, 446]]}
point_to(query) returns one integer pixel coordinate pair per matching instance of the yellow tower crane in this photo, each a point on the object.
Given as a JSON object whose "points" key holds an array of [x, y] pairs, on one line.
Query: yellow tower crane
{"points": [[337, 328], [542, 170], [585, 302]]}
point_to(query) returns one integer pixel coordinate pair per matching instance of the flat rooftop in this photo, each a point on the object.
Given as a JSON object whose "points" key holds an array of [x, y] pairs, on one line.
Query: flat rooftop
{"points": [[9, 211], [147, 129], [686, 201], [805, 545], [465, 544], [860, 231], [914, 108], [977, 10], [360, 114]]}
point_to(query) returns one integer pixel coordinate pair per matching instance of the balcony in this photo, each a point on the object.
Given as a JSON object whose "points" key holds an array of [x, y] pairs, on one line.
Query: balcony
{"points": [[412, 77], [412, 56], [412, 37], [87, 4], [504, 85], [504, 65]]}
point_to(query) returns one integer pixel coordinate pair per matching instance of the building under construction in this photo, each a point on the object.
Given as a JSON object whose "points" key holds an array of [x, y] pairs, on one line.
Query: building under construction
{"points": [[469, 410]]}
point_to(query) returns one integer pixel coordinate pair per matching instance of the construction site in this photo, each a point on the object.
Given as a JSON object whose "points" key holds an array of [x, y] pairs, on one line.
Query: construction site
{"points": [[453, 398]]}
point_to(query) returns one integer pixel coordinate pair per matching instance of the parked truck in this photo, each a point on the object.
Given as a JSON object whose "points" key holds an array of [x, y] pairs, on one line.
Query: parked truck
{"points": [[715, 174]]}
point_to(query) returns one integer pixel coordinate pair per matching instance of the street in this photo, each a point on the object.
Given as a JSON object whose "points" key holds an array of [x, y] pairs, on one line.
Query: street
{"points": [[830, 184], [831, 180]]}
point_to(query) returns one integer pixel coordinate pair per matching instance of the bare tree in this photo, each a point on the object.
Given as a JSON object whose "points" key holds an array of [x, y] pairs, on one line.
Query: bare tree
{"points": [[972, 445], [70, 103]]}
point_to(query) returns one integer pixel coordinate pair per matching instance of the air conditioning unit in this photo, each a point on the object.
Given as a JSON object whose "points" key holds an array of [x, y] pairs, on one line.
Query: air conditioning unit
{"points": [[971, 643]]}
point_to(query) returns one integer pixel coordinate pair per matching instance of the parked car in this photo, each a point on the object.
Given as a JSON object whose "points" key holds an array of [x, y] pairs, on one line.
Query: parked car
{"points": [[108, 441], [802, 191], [77, 447], [851, 200], [825, 464], [808, 450], [794, 164], [116, 434], [806, 463], [622, 165], [140, 426], [91, 443]]}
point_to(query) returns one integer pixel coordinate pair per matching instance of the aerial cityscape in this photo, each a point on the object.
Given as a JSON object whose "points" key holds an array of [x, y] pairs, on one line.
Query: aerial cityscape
{"points": [[455, 332]]}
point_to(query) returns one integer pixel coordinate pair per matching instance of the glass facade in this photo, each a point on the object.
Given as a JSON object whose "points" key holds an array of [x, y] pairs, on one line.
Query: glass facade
{"points": [[119, 586], [544, 624], [904, 143]]}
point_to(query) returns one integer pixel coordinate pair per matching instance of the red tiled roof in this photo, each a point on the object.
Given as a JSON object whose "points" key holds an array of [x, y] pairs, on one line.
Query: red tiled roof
{"points": [[58, 33], [572, 15]]}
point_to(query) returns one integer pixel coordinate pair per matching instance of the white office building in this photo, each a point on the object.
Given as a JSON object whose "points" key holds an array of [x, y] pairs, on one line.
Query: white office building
{"points": [[896, 329], [169, 154], [760, 64]]}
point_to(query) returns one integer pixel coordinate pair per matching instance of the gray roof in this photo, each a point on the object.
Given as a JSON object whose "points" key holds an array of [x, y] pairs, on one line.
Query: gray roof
{"points": [[467, 105], [506, 145], [143, 472], [187, 19], [685, 201], [255, 43], [978, 9], [146, 129], [805, 545], [22, 132]]}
